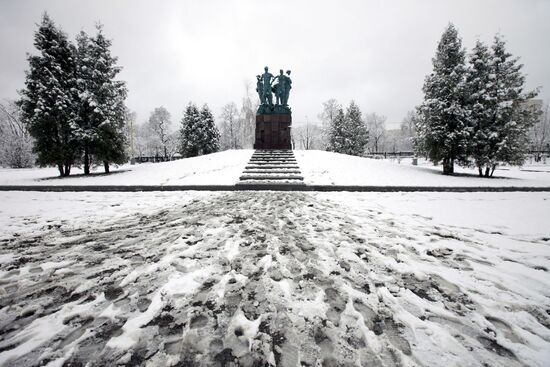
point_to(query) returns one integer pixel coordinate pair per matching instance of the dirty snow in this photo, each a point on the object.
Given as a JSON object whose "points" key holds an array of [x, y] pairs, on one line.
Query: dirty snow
{"points": [[265, 278]]}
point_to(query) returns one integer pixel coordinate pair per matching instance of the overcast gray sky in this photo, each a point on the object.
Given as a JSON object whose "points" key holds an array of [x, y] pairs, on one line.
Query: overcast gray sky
{"points": [[375, 52]]}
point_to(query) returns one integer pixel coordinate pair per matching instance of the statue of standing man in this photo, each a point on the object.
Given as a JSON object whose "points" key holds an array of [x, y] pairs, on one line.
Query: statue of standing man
{"points": [[260, 88], [287, 87], [280, 88], [267, 79]]}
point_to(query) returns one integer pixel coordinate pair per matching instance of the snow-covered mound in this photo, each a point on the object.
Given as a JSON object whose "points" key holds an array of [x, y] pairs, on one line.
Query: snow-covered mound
{"points": [[327, 168], [317, 167], [222, 168]]}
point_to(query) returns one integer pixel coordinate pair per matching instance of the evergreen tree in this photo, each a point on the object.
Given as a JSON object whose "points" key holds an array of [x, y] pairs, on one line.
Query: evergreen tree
{"points": [[502, 126], [190, 132], [442, 127], [210, 142], [480, 104], [48, 100], [356, 134], [87, 133], [102, 111], [336, 142], [347, 132]]}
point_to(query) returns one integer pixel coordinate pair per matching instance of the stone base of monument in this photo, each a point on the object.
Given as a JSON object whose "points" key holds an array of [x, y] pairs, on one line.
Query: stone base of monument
{"points": [[273, 131]]}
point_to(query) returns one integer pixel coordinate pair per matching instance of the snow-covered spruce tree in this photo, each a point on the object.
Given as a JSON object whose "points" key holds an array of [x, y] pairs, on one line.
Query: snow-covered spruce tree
{"points": [[500, 116], [102, 112], [481, 105], [190, 132], [87, 124], [355, 131], [335, 135], [48, 102], [442, 126], [210, 142]]}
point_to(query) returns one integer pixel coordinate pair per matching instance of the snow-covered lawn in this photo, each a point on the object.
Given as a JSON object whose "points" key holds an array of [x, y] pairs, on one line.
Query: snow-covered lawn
{"points": [[317, 167], [377, 279], [222, 168], [326, 168]]}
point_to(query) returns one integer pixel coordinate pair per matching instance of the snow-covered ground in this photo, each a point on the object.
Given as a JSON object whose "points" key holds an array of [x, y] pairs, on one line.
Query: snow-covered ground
{"points": [[377, 279], [222, 168], [326, 168], [317, 167]]}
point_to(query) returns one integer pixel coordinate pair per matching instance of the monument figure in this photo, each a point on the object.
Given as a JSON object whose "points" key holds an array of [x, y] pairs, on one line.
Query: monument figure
{"points": [[273, 120], [267, 79], [260, 88], [280, 88], [288, 86]]}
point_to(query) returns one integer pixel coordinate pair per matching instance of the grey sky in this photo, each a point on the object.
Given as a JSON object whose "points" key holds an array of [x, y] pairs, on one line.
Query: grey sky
{"points": [[375, 52]]}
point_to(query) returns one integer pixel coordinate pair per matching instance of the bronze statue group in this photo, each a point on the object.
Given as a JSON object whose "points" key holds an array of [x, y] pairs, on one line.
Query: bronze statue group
{"points": [[265, 87]]}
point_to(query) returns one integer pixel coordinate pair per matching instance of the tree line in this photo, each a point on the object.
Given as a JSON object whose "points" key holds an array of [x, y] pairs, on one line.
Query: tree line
{"points": [[475, 113], [72, 110], [197, 134], [72, 103], [347, 131]]}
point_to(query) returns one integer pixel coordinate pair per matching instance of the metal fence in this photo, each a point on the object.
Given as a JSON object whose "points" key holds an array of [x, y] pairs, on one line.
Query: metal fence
{"points": [[380, 155], [155, 159]]}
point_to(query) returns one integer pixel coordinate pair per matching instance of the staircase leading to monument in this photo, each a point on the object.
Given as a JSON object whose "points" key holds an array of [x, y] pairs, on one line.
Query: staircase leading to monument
{"points": [[272, 167]]}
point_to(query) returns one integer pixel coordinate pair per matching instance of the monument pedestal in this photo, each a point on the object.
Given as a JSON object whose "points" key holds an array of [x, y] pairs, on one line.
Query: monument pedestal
{"points": [[273, 131]]}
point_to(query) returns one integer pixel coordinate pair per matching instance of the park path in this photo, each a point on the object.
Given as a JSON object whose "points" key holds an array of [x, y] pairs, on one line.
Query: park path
{"points": [[266, 278]]}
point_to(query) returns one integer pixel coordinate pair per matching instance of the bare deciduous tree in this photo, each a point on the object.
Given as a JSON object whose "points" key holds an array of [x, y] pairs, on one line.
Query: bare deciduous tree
{"points": [[130, 130], [160, 124], [376, 125], [248, 117], [330, 110], [407, 131], [306, 136], [230, 127], [540, 133], [15, 140]]}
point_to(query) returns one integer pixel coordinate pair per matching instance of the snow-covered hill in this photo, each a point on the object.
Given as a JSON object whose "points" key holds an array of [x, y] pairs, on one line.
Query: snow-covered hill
{"points": [[222, 168], [317, 167], [326, 168]]}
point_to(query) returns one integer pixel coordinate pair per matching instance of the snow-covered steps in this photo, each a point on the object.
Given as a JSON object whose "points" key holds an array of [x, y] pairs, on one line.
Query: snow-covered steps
{"points": [[272, 167], [275, 170], [270, 176], [273, 163], [272, 159]]}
